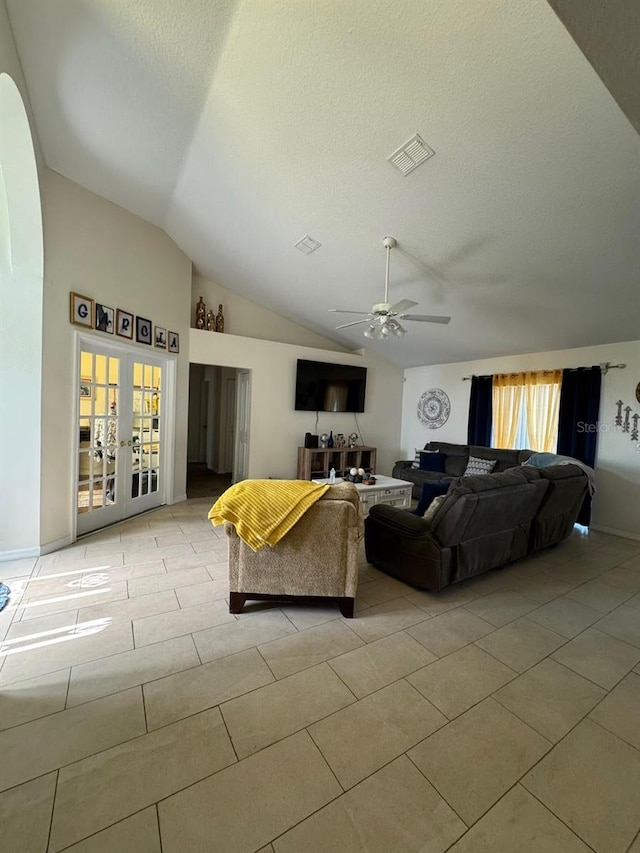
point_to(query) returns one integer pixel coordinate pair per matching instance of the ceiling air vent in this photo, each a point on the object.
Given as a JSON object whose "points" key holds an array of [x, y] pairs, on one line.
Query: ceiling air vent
{"points": [[307, 244], [410, 155]]}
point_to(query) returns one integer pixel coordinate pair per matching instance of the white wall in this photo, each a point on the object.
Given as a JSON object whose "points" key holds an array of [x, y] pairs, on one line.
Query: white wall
{"points": [[616, 506], [246, 318], [10, 63], [21, 307], [276, 430], [98, 249]]}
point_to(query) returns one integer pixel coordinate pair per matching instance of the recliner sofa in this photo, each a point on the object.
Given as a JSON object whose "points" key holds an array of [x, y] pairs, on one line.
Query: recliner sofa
{"points": [[457, 456], [484, 521]]}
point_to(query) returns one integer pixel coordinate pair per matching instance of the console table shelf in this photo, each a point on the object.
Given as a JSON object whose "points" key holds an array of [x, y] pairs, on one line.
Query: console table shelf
{"points": [[317, 462]]}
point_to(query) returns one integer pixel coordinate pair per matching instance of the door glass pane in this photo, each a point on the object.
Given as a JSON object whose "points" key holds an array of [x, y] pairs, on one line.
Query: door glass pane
{"points": [[146, 429], [100, 398], [114, 370], [98, 431]]}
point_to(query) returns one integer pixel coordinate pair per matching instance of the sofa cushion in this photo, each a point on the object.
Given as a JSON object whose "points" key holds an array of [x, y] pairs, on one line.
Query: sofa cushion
{"points": [[431, 460], [475, 465], [504, 458], [429, 492], [486, 503], [457, 455], [433, 508]]}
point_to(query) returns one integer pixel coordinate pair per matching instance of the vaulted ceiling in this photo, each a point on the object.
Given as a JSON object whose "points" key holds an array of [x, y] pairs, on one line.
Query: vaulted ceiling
{"points": [[239, 126]]}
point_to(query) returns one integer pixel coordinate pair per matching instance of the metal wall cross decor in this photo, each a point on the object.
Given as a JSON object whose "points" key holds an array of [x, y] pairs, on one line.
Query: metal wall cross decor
{"points": [[630, 422]]}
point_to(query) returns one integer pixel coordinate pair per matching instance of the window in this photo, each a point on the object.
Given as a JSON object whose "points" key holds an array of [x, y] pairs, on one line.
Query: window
{"points": [[525, 410]]}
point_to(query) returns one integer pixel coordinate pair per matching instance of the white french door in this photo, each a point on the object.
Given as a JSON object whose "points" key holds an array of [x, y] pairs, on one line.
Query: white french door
{"points": [[123, 456]]}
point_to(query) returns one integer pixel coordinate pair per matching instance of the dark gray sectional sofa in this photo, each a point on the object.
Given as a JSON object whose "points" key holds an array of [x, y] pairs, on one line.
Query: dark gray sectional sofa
{"points": [[457, 456], [484, 522]]}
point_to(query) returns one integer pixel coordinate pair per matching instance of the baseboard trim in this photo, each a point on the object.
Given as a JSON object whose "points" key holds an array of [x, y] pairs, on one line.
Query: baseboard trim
{"points": [[19, 554], [39, 551], [56, 545], [625, 534], [178, 499]]}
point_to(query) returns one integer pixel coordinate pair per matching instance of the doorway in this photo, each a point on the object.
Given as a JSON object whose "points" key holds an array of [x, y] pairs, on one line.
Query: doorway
{"points": [[215, 393], [123, 449]]}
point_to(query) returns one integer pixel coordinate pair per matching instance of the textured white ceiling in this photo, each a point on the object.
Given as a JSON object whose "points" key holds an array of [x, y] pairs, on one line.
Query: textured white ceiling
{"points": [[241, 126]]}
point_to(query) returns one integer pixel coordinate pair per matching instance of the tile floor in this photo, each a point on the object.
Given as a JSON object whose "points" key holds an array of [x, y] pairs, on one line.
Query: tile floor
{"points": [[138, 716]]}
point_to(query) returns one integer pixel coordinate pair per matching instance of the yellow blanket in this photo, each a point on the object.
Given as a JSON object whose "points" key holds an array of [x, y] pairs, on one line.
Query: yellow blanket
{"points": [[262, 511]]}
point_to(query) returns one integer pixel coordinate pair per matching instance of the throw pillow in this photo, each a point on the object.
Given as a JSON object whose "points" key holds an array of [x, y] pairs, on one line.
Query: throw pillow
{"points": [[429, 492], [475, 465], [416, 458], [433, 508], [432, 461]]}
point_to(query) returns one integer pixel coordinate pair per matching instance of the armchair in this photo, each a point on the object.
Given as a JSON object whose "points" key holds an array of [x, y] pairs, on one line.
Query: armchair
{"points": [[317, 560]]}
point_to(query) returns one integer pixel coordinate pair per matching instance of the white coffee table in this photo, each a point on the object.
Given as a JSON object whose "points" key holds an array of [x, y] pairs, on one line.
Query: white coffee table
{"points": [[387, 490]]}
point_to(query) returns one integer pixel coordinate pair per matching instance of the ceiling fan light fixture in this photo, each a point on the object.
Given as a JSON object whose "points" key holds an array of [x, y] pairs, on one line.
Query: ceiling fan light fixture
{"points": [[382, 321], [396, 329]]}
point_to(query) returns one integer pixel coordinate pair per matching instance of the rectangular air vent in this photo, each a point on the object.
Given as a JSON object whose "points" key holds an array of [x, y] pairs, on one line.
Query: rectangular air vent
{"points": [[410, 155], [307, 244]]}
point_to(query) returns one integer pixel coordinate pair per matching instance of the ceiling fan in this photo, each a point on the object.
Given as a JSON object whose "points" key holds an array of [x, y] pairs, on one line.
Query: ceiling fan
{"points": [[383, 317]]}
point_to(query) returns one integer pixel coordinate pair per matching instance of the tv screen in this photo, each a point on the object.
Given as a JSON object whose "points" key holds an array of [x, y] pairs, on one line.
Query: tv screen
{"points": [[325, 387]]}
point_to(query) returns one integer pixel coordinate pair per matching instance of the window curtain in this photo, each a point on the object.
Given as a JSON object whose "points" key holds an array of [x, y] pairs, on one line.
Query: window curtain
{"points": [[480, 411], [542, 400], [578, 420], [508, 391]]}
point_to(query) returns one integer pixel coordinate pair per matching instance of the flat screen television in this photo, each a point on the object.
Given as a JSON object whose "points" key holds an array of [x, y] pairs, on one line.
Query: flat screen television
{"points": [[325, 387]]}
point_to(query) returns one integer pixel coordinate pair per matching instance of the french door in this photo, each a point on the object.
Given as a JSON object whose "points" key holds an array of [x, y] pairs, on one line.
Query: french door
{"points": [[122, 447]]}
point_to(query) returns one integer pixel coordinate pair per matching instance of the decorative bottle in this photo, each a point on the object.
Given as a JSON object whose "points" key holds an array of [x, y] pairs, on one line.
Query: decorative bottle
{"points": [[332, 476], [330, 439], [211, 321], [219, 320], [201, 314]]}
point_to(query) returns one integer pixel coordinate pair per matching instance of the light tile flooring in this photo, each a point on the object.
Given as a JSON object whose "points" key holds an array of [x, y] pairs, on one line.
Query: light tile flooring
{"points": [[138, 716]]}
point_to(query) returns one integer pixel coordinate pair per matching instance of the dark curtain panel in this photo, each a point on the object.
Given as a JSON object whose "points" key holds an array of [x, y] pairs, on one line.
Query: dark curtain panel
{"points": [[578, 420], [480, 411]]}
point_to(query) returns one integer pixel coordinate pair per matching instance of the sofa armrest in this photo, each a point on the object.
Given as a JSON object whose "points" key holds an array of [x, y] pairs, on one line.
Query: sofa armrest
{"points": [[401, 520], [399, 466]]}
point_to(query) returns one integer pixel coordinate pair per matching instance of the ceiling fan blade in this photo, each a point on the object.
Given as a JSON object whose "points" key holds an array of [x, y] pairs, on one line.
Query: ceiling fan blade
{"points": [[403, 305], [345, 311], [425, 318], [355, 323]]}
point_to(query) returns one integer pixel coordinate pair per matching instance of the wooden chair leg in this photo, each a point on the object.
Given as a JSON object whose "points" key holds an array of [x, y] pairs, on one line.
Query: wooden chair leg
{"points": [[236, 602], [346, 607]]}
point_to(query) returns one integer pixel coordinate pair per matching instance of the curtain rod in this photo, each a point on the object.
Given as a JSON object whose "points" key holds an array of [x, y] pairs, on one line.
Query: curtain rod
{"points": [[605, 367]]}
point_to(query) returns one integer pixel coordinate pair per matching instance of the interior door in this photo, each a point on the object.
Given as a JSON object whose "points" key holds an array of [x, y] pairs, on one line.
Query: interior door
{"points": [[100, 469], [241, 467], [147, 437], [229, 427], [121, 435]]}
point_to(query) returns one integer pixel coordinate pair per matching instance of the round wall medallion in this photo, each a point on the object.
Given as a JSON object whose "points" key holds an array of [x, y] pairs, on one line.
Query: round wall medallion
{"points": [[638, 392], [434, 408]]}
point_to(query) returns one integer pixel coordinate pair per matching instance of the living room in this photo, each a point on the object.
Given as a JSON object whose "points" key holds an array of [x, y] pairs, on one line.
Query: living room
{"points": [[150, 156]]}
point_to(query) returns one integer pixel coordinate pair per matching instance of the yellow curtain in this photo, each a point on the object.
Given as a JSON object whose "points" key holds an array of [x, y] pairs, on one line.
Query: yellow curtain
{"points": [[542, 399], [508, 390]]}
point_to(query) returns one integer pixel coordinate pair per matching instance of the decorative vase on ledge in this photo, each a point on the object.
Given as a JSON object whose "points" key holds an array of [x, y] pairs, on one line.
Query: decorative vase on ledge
{"points": [[220, 320], [201, 314]]}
